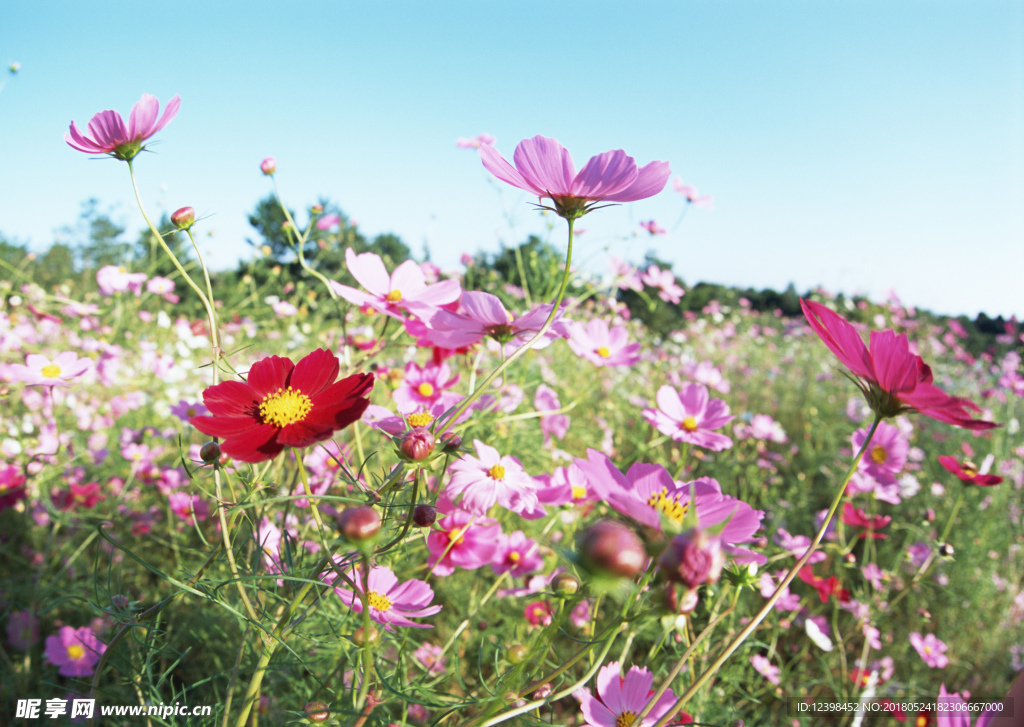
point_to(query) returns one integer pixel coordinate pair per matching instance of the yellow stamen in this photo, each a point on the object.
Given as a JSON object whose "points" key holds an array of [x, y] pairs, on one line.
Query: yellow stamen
{"points": [[603, 352], [75, 652], [284, 407], [420, 419], [625, 719], [51, 372], [514, 556], [395, 296], [878, 454], [497, 472], [455, 536], [671, 506], [970, 469], [379, 601], [690, 424], [425, 389], [578, 493]]}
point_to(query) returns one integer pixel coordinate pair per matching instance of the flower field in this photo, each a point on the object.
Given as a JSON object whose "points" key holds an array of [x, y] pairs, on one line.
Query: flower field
{"points": [[384, 494]]}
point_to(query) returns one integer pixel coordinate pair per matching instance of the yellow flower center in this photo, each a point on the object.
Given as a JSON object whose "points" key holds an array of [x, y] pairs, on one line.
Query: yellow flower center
{"points": [[970, 469], [420, 419], [927, 649], [578, 493], [497, 472], [625, 719], [690, 424], [603, 352], [51, 372], [395, 296], [878, 454], [284, 407], [191, 411], [922, 721], [455, 536], [379, 601], [425, 389], [75, 652], [671, 506], [514, 556]]}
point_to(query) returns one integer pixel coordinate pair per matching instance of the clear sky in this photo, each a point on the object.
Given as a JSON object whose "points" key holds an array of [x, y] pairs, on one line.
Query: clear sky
{"points": [[859, 145]]}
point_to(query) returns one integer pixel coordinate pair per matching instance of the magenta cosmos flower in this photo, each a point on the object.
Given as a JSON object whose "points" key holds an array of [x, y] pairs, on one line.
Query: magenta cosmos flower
{"points": [[391, 602], [38, 370], [892, 379], [954, 712], [931, 650], [620, 699], [689, 415], [969, 472], [405, 289], [886, 456], [490, 478], [75, 651], [111, 136], [462, 540], [483, 316], [602, 345], [544, 168]]}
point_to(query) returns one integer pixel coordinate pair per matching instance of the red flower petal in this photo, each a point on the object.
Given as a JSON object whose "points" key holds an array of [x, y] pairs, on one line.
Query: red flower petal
{"points": [[269, 374], [315, 372], [231, 398]]}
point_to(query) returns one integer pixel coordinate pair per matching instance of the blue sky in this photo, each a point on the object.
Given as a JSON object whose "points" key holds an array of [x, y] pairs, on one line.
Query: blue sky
{"points": [[863, 146]]}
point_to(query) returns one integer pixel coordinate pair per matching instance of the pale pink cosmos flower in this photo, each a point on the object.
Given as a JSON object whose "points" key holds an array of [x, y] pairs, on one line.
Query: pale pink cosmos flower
{"points": [[689, 415], [462, 540], [665, 281], [625, 275], [490, 478], [871, 636], [431, 657], [391, 603], [483, 316], [327, 222], [475, 143], [787, 601], [619, 699], [797, 545], [552, 425], [284, 309], [653, 228], [404, 289], [705, 372], [544, 167], [765, 668], [115, 279], [75, 651], [931, 649], [111, 136], [517, 555], [953, 711], [887, 454], [38, 370], [602, 345], [163, 287], [188, 506], [692, 195], [424, 386], [873, 575]]}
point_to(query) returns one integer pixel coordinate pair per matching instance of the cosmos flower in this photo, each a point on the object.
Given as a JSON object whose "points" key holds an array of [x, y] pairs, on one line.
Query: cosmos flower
{"points": [[692, 195], [892, 379], [38, 370], [111, 136], [869, 524], [765, 668], [475, 143], [516, 554], [887, 454], [464, 540], [602, 345], [689, 415], [545, 168], [665, 281], [424, 386], [485, 316], [283, 405], [75, 651], [391, 603], [404, 289], [490, 478], [620, 699], [931, 650], [653, 228], [969, 472], [953, 711]]}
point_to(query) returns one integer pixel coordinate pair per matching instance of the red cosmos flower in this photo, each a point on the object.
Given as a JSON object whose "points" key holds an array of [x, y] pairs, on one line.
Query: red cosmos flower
{"points": [[893, 379], [859, 519], [968, 472], [283, 405], [826, 587]]}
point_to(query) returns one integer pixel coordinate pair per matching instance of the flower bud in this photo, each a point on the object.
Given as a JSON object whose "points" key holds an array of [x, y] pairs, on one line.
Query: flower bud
{"points": [[693, 559], [946, 550], [362, 637], [357, 524], [317, 712], [565, 584], [424, 516], [451, 441], [612, 548], [268, 166], [417, 444], [518, 653], [209, 452], [183, 218]]}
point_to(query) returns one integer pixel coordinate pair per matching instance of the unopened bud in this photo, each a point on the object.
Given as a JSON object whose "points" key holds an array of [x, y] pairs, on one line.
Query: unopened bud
{"points": [[417, 444], [424, 516], [946, 550], [693, 559], [268, 166], [613, 548], [209, 452], [359, 523], [565, 584], [518, 653], [183, 218], [451, 441], [362, 637], [317, 712]]}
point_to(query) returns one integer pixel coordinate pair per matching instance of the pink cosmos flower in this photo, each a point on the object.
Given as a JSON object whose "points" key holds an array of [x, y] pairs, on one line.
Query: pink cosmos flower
{"points": [[545, 168], [601, 345], [475, 143], [787, 601], [705, 372], [665, 281], [327, 222], [653, 228], [869, 524], [552, 425], [969, 472], [462, 540], [490, 478], [163, 287], [404, 289], [185, 410], [38, 370], [516, 554], [689, 415], [765, 668], [931, 650], [111, 136], [430, 656], [647, 491], [762, 427], [954, 713], [692, 195], [797, 545], [186, 506], [75, 651], [115, 279], [483, 316], [887, 454], [539, 613], [391, 602], [620, 699], [424, 386], [12, 486], [892, 379], [625, 275]]}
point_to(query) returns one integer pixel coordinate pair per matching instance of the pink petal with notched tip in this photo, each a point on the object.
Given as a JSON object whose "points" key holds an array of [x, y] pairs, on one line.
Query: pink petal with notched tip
{"points": [[496, 164], [650, 180], [369, 271], [546, 165], [605, 175], [143, 117]]}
